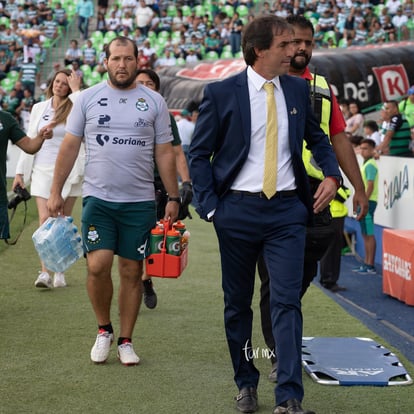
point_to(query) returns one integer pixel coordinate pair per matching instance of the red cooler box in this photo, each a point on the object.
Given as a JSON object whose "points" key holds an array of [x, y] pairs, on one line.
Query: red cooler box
{"points": [[163, 264]]}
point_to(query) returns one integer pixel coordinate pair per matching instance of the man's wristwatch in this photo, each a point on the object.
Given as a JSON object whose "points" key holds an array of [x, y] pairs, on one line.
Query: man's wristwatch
{"points": [[176, 199]]}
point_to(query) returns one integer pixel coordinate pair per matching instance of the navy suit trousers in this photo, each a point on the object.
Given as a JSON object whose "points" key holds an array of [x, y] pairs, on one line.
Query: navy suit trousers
{"points": [[247, 226]]}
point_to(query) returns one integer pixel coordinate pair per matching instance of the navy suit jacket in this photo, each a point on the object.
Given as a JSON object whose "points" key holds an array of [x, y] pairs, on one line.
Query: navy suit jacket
{"points": [[221, 139]]}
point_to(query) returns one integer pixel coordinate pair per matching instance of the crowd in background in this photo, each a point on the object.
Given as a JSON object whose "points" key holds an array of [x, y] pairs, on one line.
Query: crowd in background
{"points": [[169, 33]]}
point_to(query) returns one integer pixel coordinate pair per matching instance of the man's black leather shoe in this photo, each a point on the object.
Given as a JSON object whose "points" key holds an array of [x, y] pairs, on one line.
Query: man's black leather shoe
{"points": [[273, 373], [246, 400], [291, 407]]}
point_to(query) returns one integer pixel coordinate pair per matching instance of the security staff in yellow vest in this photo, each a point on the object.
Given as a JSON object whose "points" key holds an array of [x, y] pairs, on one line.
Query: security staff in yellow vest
{"points": [[332, 122]]}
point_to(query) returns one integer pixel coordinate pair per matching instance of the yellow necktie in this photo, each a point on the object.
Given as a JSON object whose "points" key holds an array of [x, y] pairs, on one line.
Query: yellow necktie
{"points": [[270, 166]]}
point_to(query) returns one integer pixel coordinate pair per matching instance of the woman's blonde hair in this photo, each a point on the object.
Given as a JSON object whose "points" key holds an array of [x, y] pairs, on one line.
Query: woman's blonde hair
{"points": [[62, 111]]}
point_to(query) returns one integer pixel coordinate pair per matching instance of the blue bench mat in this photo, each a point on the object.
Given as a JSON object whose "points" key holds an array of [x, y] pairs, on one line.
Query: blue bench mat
{"points": [[351, 361]]}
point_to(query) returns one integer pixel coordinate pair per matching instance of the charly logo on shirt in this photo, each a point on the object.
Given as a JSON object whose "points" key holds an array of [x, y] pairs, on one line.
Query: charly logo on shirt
{"points": [[141, 105], [1, 126]]}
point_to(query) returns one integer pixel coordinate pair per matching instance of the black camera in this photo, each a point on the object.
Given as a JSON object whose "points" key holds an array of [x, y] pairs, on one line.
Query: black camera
{"points": [[21, 195]]}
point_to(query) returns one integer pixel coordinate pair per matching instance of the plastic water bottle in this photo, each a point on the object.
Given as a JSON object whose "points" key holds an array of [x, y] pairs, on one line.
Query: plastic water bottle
{"points": [[58, 243]]}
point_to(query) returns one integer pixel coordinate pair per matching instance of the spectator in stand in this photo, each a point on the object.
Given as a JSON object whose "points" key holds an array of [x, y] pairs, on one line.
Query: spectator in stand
{"points": [[147, 49], [115, 8], [24, 109], [101, 23], [356, 142], [77, 70], [407, 7], [60, 16], [143, 16], [361, 34], [377, 34], [9, 8], [10, 102], [143, 61], [50, 27], [236, 25], [178, 20], [212, 42], [167, 59], [400, 22], [318, 37], [164, 22], [349, 25], [138, 38], [355, 123], [371, 131], [102, 7], [113, 22], [127, 21], [397, 135], [5, 63], [29, 74], [389, 28], [42, 11], [73, 52], [7, 36], [125, 32], [100, 66], [89, 54], [406, 107], [191, 56], [327, 21], [85, 11], [18, 87], [393, 6], [18, 13], [128, 6], [321, 6]]}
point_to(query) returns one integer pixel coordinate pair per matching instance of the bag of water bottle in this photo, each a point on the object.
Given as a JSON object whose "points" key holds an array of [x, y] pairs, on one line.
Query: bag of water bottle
{"points": [[58, 243]]}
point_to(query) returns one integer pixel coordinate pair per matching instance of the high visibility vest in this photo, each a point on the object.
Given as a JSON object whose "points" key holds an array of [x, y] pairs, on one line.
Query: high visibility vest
{"points": [[337, 205], [322, 106], [321, 103]]}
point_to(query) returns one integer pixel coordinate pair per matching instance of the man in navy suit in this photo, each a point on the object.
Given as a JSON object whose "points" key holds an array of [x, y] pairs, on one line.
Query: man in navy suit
{"points": [[227, 167]]}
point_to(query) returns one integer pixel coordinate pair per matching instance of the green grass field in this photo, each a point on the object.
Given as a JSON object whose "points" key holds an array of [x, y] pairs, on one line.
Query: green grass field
{"points": [[46, 337]]}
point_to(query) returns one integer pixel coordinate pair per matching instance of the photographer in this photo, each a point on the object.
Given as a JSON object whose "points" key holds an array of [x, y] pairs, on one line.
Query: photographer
{"points": [[10, 130]]}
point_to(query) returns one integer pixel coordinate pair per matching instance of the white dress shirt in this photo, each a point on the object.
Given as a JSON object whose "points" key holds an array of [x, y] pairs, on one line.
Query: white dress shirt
{"points": [[250, 177]]}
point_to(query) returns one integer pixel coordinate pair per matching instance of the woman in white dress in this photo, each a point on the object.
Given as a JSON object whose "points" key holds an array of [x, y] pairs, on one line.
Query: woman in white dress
{"points": [[38, 169]]}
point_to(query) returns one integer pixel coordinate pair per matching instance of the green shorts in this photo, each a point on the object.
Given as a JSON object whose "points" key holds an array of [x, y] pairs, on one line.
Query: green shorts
{"points": [[367, 223], [123, 228]]}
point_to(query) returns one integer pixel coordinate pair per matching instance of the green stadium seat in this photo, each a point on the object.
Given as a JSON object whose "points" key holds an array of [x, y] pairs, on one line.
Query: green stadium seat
{"points": [[228, 9], [212, 55], [243, 10], [93, 78], [13, 75], [86, 70], [226, 54], [7, 84], [180, 61], [172, 10], [186, 9]]}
